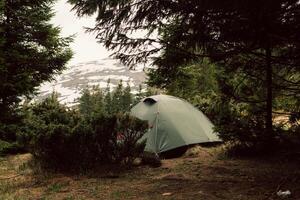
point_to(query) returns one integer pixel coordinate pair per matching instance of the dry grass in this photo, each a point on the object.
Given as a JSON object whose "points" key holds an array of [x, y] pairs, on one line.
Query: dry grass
{"points": [[201, 174]]}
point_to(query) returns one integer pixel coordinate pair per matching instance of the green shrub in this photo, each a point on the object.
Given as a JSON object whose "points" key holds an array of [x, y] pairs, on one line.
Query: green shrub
{"points": [[66, 139], [10, 148], [103, 140], [129, 132]]}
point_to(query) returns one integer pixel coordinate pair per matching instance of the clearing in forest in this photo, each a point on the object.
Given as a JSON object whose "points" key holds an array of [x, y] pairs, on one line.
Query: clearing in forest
{"points": [[200, 174]]}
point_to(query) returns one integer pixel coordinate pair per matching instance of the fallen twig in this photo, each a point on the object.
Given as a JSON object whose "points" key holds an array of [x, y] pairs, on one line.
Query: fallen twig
{"points": [[5, 178]]}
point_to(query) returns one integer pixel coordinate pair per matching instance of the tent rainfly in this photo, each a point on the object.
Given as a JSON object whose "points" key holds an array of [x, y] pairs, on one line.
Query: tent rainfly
{"points": [[173, 123]]}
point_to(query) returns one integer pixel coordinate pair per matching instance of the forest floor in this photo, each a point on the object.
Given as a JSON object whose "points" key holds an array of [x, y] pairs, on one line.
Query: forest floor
{"points": [[203, 173]]}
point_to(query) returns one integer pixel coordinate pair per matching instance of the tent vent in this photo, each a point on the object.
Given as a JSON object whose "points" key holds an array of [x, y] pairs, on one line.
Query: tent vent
{"points": [[149, 101]]}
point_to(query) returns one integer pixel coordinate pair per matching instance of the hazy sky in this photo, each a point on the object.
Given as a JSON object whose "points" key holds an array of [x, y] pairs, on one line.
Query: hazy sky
{"points": [[84, 46]]}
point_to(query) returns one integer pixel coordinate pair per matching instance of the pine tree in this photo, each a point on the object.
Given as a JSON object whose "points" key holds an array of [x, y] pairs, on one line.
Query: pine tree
{"points": [[85, 103], [98, 100], [108, 99], [31, 50], [139, 96], [116, 101], [258, 40], [1, 32], [127, 99], [91, 102]]}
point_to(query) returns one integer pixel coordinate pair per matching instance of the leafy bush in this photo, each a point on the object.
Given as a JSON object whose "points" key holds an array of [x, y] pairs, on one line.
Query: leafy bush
{"points": [[105, 140], [10, 148], [62, 138], [10, 132], [129, 131]]}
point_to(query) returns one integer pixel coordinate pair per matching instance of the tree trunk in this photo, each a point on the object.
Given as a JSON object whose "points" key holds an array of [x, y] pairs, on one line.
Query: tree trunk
{"points": [[269, 125]]}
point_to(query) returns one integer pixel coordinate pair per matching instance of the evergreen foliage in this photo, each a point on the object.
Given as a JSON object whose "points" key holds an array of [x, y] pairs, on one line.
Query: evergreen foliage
{"points": [[80, 139], [97, 101], [254, 44], [31, 52]]}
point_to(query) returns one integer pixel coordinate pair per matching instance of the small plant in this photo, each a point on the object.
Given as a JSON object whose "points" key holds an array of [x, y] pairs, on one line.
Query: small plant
{"points": [[57, 187]]}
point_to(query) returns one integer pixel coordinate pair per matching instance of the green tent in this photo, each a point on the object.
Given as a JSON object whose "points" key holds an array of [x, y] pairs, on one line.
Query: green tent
{"points": [[173, 123]]}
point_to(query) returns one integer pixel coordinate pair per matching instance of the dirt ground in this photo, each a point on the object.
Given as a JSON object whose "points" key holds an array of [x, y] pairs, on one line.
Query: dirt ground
{"points": [[201, 174]]}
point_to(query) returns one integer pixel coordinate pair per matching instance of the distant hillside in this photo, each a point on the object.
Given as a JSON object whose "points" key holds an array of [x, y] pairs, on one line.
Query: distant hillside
{"points": [[71, 82]]}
